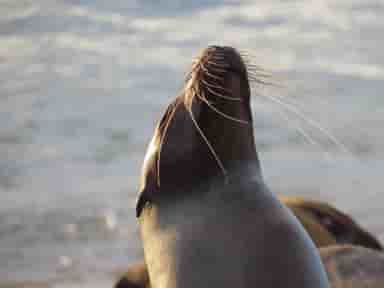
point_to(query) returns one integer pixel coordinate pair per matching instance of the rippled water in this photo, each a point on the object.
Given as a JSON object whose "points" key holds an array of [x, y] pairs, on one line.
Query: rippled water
{"points": [[82, 84]]}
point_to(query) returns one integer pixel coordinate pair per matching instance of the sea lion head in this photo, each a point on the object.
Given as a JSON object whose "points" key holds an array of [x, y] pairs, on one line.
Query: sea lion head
{"points": [[206, 133]]}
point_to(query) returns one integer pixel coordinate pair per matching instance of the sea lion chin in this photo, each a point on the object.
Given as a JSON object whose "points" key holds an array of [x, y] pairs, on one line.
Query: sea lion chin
{"points": [[202, 196]]}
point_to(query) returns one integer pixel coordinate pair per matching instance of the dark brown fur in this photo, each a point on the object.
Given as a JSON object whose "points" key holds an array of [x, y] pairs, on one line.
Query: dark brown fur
{"points": [[203, 200], [322, 221], [200, 157]]}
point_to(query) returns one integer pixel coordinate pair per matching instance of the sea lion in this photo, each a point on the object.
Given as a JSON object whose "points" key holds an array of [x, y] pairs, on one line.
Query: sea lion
{"points": [[353, 266], [326, 225], [202, 197]]}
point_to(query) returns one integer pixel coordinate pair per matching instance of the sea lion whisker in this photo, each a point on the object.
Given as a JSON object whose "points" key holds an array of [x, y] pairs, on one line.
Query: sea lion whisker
{"points": [[222, 65], [256, 77], [216, 69], [220, 95], [243, 54], [208, 83], [255, 66], [247, 57], [257, 69], [263, 81], [219, 59], [272, 83], [207, 72], [215, 52], [260, 81], [314, 124], [211, 149], [215, 78], [249, 63], [165, 129], [305, 135], [226, 116], [310, 122], [202, 97], [259, 73], [217, 56]]}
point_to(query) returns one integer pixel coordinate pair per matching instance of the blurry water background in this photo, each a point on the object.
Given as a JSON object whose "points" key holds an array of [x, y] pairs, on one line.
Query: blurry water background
{"points": [[82, 84]]}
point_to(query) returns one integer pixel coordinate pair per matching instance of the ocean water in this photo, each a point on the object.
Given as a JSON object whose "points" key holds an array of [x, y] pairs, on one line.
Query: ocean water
{"points": [[82, 84]]}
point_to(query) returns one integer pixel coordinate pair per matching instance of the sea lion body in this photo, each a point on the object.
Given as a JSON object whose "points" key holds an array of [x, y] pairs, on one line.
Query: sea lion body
{"points": [[228, 237], [319, 219], [350, 266], [347, 266], [209, 220]]}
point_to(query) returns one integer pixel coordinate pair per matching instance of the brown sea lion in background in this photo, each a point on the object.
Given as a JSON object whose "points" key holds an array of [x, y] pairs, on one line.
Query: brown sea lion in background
{"points": [[353, 266], [325, 225], [206, 217]]}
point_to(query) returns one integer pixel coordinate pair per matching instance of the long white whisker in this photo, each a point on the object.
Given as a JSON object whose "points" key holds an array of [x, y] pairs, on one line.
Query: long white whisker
{"points": [[217, 69], [257, 68], [259, 81], [310, 122], [305, 135], [258, 73], [204, 99], [218, 161], [207, 83], [220, 95], [209, 73], [218, 64]]}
